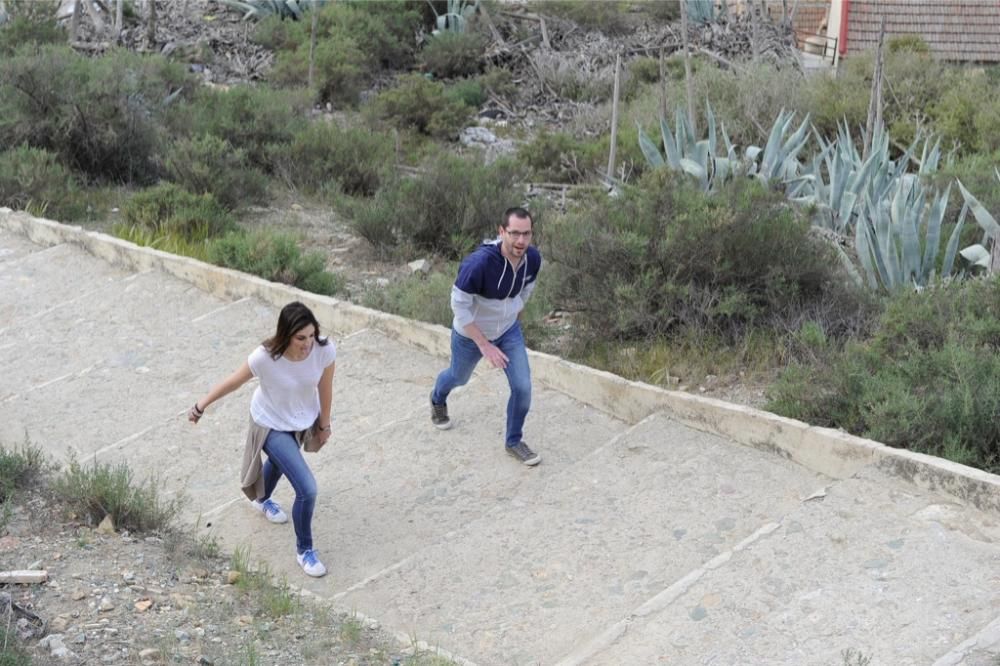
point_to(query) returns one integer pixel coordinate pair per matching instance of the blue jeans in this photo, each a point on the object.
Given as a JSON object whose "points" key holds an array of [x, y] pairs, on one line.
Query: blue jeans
{"points": [[464, 357], [285, 458]]}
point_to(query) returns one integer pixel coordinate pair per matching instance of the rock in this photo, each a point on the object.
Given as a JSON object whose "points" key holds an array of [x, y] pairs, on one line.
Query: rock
{"points": [[420, 266], [105, 605], [58, 624], [80, 639], [232, 577], [128, 576], [182, 636], [107, 525], [8, 543], [143, 604], [78, 594], [205, 661], [181, 600], [471, 136]]}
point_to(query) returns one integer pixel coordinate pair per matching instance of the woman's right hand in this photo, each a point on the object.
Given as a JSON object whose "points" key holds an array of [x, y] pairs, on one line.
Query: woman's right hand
{"points": [[195, 413]]}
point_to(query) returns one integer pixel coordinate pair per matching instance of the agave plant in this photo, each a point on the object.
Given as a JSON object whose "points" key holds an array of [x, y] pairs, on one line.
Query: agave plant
{"points": [[977, 254], [779, 160], [456, 18], [696, 158], [888, 237], [257, 9], [838, 180]]}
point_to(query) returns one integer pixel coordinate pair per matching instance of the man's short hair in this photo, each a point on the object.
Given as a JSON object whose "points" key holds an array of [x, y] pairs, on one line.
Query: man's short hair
{"points": [[516, 211]]}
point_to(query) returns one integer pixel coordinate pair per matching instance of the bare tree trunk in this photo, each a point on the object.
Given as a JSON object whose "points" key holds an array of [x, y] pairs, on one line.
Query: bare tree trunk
{"points": [[74, 21], [875, 101], [312, 46], [614, 117], [94, 16], [754, 43], [119, 18], [663, 86], [687, 66], [151, 25]]}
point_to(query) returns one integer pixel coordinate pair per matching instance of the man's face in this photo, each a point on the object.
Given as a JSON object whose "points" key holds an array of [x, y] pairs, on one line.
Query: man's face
{"points": [[516, 237]]}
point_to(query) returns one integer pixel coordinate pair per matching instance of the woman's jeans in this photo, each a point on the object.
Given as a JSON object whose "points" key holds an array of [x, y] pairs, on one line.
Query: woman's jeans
{"points": [[464, 357], [284, 457]]}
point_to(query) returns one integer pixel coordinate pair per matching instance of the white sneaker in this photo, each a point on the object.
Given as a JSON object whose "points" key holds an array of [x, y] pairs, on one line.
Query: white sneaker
{"points": [[309, 561], [271, 510]]}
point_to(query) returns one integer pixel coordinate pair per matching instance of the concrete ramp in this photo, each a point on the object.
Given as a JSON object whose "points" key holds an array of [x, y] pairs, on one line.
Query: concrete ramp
{"points": [[638, 540]]}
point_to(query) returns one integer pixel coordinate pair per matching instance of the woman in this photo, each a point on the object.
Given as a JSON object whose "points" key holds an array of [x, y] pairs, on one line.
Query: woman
{"points": [[290, 410]]}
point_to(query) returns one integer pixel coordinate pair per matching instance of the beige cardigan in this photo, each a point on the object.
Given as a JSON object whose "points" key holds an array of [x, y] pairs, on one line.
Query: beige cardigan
{"points": [[251, 479]]}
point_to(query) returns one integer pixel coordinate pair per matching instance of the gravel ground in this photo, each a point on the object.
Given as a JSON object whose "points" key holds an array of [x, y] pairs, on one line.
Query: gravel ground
{"points": [[117, 598]]}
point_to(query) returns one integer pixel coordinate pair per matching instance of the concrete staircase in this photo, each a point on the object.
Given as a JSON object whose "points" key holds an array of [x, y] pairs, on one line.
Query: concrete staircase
{"points": [[637, 541]]}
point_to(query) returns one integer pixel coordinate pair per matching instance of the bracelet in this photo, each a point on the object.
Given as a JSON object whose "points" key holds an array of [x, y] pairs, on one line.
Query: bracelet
{"points": [[197, 410], [328, 428]]}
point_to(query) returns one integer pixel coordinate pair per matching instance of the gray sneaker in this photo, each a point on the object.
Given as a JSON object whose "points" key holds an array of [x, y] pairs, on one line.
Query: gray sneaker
{"points": [[522, 452], [439, 415]]}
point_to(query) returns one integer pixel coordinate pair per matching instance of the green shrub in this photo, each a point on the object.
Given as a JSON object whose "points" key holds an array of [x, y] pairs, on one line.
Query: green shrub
{"points": [[322, 157], [664, 11], [575, 77], [448, 209], [208, 164], [645, 69], [469, 92], [664, 259], [103, 489], [353, 42], [912, 43], [19, 466], [11, 652], [976, 173], [274, 256], [33, 179], [562, 158], [101, 115], [250, 118], [170, 209], [607, 16], [30, 23], [421, 297], [927, 380], [454, 54], [498, 81], [422, 105], [967, 116]]}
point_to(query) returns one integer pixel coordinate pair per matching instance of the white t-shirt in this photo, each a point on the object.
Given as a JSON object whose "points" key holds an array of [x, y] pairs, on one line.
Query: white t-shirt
{"points": [[287, 398]]}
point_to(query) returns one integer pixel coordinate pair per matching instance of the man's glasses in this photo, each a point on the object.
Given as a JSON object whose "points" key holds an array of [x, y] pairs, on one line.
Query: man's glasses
{"points": [[517, 235]]}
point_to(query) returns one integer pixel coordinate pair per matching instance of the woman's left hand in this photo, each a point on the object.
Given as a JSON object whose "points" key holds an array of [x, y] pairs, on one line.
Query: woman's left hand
{"points": [[322, 436]]}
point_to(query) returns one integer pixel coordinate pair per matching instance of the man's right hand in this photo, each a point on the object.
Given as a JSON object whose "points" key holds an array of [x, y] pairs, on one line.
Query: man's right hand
{"points": [[493, 355]]}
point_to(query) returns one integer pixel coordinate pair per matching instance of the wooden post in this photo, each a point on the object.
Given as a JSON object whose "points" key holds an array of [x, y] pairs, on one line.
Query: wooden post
{"points": [[119, 18], [663, 86], [74, 21], [754, 44], [689, 86], [151, 25], [94, 16], [614, 117], [312, 45], [875, 100]]}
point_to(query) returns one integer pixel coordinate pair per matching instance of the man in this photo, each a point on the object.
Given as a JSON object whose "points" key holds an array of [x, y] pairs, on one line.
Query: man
{"points": [[492, 286]]}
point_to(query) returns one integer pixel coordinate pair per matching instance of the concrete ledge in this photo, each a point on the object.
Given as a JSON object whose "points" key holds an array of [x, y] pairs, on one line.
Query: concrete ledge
{"points": [[824, 450]]}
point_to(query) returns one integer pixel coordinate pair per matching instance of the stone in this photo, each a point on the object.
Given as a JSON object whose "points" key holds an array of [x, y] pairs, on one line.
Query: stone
{"points": [[58, 624], [232, 577], [105, 605], [107, 525], [420, 266], [143, 604], [78, 594]]}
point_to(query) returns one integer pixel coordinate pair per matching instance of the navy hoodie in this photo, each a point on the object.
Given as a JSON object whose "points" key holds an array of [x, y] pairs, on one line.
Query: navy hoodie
{"points": [[489, 292]]}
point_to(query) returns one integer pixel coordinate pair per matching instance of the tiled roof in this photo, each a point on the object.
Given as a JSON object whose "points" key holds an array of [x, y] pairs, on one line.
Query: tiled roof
{"points": [[966, 30]]}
